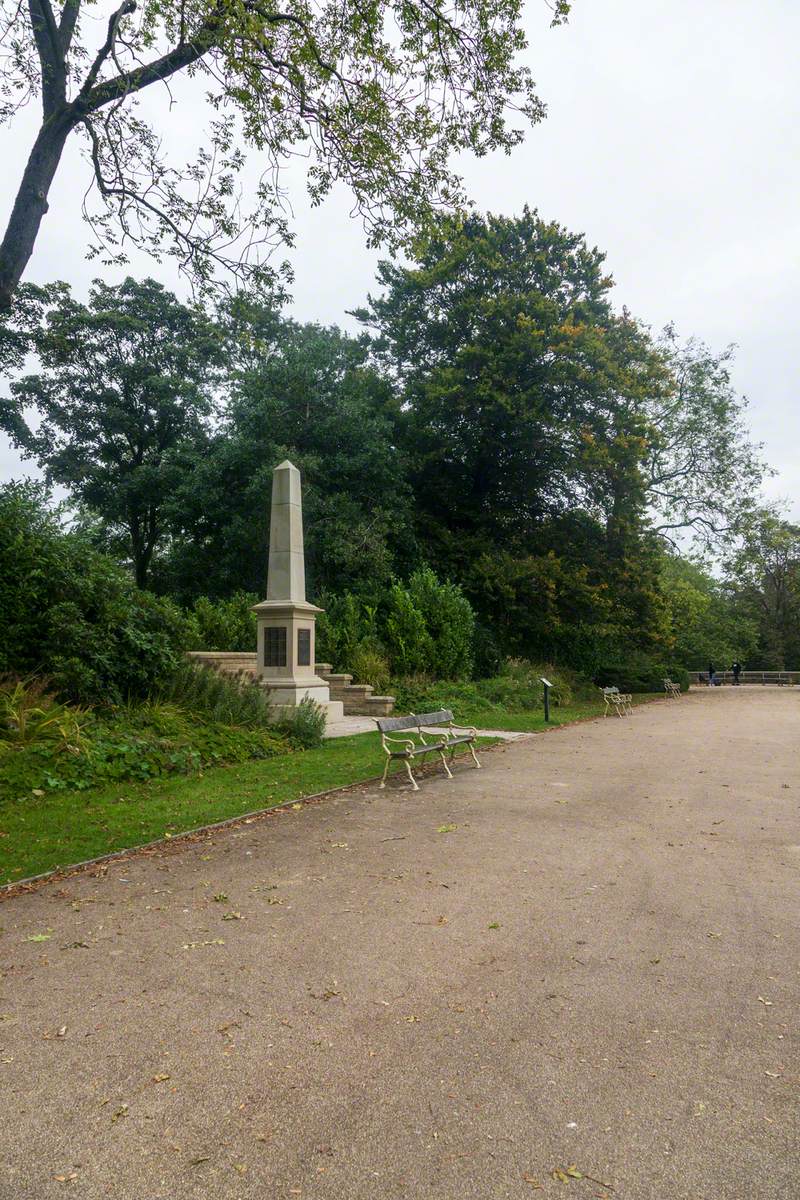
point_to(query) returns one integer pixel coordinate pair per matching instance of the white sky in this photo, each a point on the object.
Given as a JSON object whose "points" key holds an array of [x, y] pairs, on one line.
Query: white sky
{"points": [[671, 141]]}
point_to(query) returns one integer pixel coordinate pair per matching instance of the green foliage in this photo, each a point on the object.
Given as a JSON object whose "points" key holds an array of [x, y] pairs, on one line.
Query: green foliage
{"points": [[450, 622], [763, 574], [525, 430], [123, 391], [424, 626], [30, 717], [305, 727], [386, 94], [408, 641], [309, 394], [368, 665], [347, 624], [706, 622], [517, 689], [639, 675], [73, 615], [702, 469], [133, 743], [217, 697], [228, 624]]}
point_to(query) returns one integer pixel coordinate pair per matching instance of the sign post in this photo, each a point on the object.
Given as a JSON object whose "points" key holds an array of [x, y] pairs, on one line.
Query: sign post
{"points": [[547, 686]]}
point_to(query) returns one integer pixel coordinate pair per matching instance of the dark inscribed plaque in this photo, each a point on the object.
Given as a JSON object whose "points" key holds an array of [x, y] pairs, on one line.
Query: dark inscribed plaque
{"points": [[304, 647], [275, 646]]}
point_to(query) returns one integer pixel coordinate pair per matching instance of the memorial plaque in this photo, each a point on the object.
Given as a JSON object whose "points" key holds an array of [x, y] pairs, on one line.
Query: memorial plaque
{"points": [[275, 646], [304, 647]]}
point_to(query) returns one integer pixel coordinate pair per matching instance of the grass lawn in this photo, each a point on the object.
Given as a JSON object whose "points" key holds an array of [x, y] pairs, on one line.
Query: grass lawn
{"points": [[530, 720], [62, 827]]}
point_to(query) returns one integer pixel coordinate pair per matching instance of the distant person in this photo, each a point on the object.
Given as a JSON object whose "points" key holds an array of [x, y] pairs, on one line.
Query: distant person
{"points": [[711, 674], [737, 670]]}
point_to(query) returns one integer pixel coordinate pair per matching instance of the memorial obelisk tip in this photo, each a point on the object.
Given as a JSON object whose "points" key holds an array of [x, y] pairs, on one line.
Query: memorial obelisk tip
{"points": [[286, 573]]}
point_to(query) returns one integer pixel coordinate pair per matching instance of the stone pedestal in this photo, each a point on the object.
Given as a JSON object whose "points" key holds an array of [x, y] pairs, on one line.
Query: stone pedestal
{"points": [[286, 621]]}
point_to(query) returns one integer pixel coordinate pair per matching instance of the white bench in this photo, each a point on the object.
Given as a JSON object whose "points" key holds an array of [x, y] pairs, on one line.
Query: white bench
{"points": [[672, 690], [620, 702]]}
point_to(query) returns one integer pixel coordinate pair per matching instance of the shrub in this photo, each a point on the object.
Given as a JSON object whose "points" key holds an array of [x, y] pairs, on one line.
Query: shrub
{"points": [[370, 666], [224, 624], [72, 614], [217, 697], [134, 742], [306, 725], [450, 622], [347, 623], [409, 644]]}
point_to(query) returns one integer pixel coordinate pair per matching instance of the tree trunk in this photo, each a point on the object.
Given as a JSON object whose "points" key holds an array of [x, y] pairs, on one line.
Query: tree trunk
{"points": [[31, 203]]}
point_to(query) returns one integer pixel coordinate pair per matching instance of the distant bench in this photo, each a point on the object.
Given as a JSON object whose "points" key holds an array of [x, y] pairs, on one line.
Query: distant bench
{"points": [[446, 735], [620, 702], [672, 690]]}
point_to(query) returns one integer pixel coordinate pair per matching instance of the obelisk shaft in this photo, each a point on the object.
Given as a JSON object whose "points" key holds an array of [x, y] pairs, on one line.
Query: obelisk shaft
{"points": [[286, 573]]}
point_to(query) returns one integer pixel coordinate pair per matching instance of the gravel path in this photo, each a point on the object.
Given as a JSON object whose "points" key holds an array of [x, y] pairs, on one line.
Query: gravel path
{"points": [[584, 955]]}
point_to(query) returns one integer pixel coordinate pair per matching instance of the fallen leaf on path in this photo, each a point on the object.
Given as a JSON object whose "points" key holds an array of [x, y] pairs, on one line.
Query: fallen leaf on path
{"points": [[195, 1162], [447, 829], [121, 1112], [66, 1178], [766, 1003], [39, 937], [232, 916], [221, 897], [773, 1074], [160, 1078], [537, 1187], [62, 1032]]}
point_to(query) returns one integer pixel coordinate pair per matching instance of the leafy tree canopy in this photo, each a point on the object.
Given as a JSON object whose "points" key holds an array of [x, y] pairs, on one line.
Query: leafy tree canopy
{"points": [[378, 95], [309, 394], [125, 384]]}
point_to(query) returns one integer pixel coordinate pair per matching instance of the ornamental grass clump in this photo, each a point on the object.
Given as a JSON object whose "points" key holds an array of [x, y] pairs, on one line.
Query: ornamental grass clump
{"points": [[29, 716]]}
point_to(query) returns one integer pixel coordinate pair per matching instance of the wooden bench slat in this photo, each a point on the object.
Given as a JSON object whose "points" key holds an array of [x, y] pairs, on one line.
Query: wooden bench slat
{"points": [[442, 717], [390, 724]]}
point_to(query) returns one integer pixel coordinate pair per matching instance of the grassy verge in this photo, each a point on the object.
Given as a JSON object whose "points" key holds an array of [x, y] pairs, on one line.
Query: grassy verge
{"points": [[530, 720], [40, 833], [59, 828]]}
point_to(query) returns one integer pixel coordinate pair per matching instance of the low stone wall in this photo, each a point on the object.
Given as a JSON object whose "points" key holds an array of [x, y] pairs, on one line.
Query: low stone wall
{"points": [[358, 699]]}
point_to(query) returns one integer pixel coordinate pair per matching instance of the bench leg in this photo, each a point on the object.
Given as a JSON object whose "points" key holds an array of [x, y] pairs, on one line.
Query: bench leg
{"points": [[474, 756], [385, 772], [414, 783], [448, 772]]}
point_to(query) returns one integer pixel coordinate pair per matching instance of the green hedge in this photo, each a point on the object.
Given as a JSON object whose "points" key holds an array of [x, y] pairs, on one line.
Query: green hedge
{"points": [[73, 614]]}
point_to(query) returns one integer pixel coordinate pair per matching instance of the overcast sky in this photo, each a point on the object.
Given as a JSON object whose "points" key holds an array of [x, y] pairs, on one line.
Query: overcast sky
{"points": [[671, 141]]}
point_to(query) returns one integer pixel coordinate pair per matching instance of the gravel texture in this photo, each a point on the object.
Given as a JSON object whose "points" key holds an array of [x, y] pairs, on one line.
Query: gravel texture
{"points": [[584, 955]]}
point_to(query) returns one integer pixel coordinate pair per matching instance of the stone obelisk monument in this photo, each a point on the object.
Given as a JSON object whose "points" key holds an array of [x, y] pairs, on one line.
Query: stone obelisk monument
{"points": [[286, 620]]}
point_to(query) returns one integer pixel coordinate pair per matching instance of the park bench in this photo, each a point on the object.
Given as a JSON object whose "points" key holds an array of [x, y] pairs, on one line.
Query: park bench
{"points": [[672, 690], [620, 702], [445, 737]]}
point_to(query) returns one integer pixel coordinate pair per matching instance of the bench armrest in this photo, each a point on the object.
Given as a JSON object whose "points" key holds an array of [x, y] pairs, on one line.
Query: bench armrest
{"points": [[407, 742], [454, 728]]}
